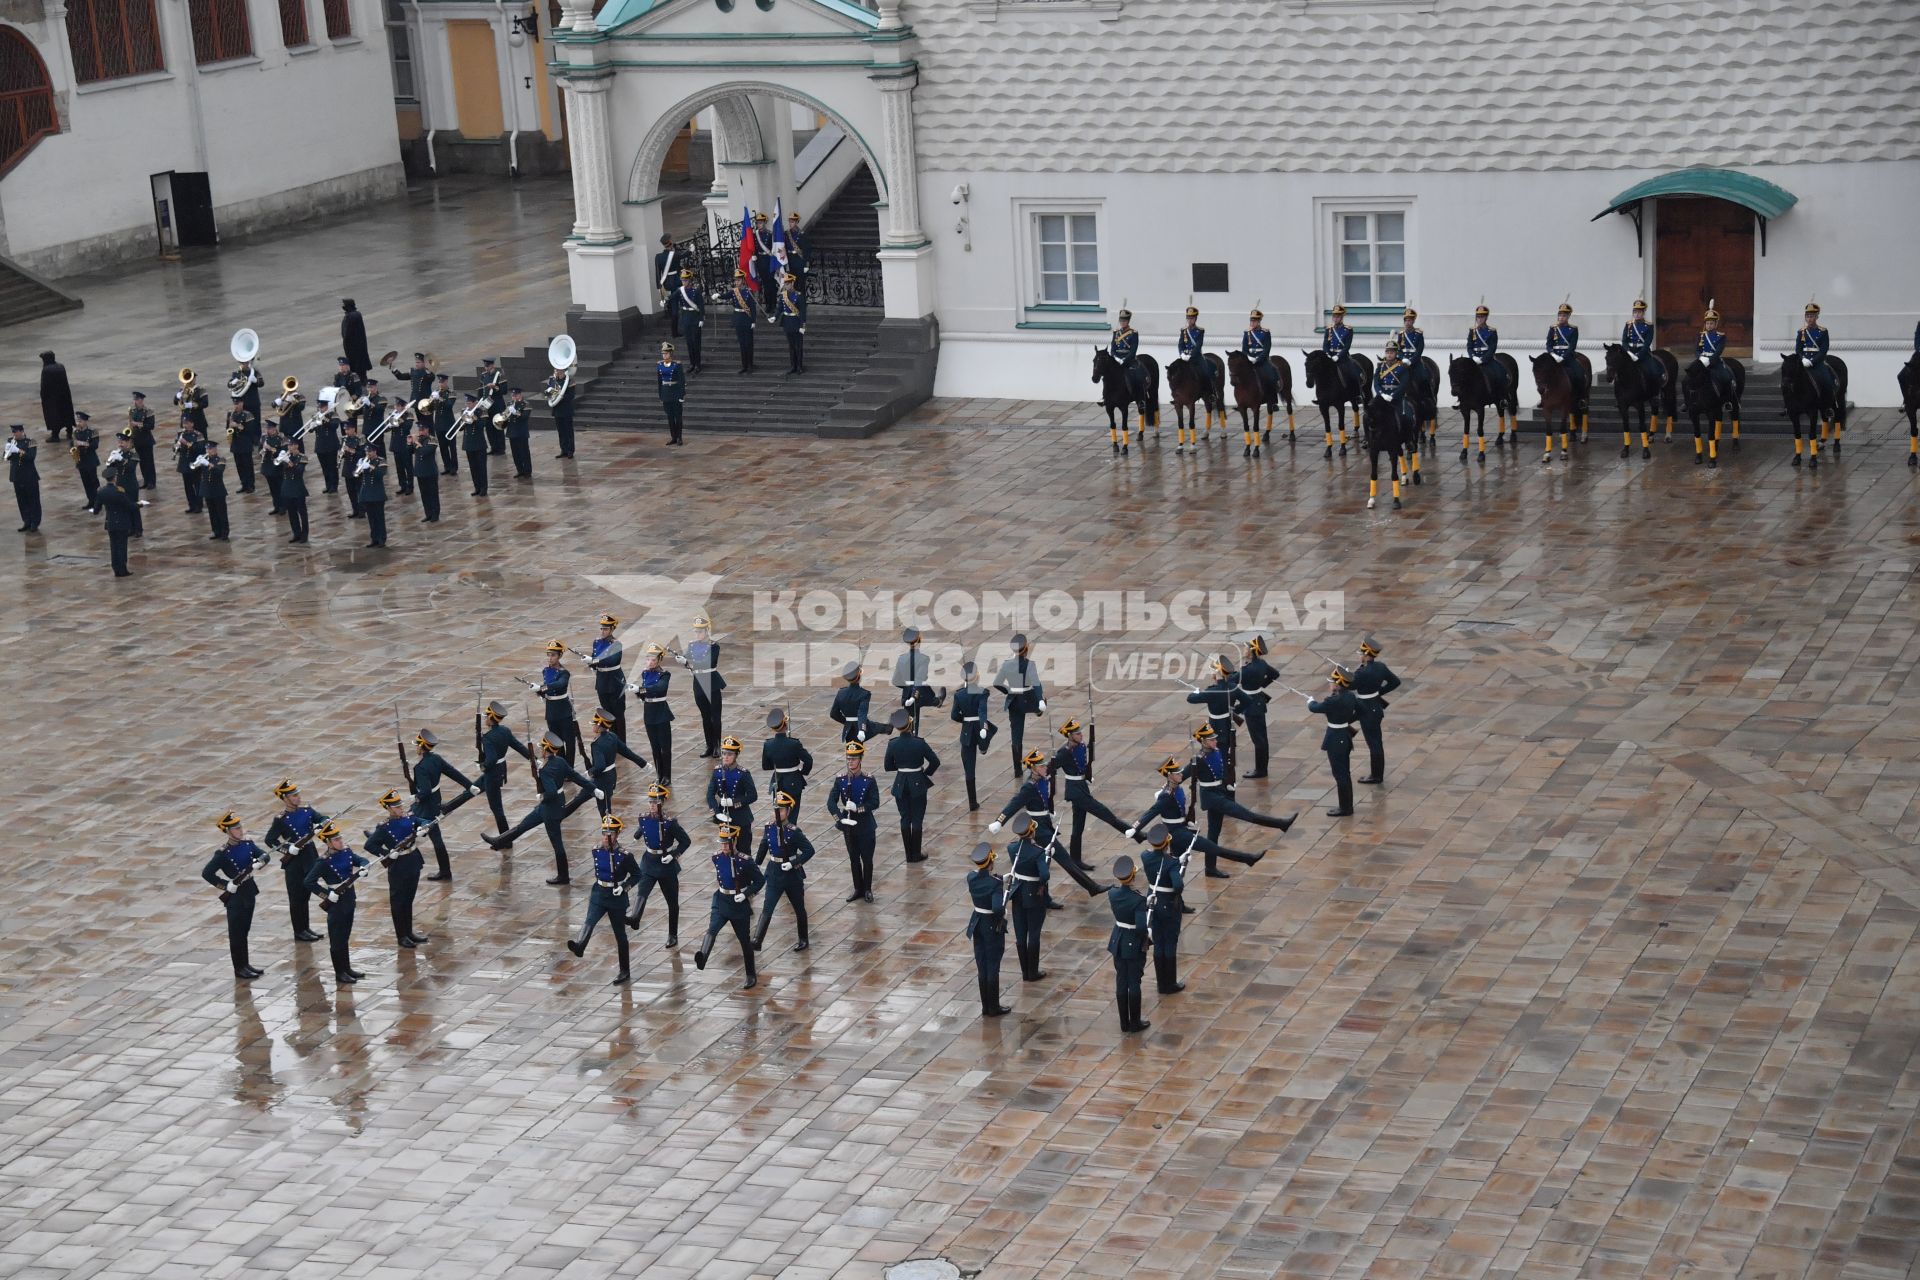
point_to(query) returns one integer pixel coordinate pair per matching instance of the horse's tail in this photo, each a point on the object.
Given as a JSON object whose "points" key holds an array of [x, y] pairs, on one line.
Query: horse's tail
{"points": [[1839, 368], [1512, 367], [1286, 381], [1152, 368], [1670, 389], [1739, 380]]}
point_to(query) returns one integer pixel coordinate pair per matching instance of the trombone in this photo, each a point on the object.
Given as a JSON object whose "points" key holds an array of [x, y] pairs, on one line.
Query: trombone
{"points": [[395, 416], [289, 398]]}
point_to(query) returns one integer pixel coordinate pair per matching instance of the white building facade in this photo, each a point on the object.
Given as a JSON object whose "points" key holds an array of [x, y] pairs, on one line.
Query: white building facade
{"points": [[1044, 162], [132, 125]]}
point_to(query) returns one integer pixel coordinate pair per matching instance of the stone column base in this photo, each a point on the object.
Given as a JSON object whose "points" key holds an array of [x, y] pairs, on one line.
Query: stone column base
{"points": [[906, 274]]}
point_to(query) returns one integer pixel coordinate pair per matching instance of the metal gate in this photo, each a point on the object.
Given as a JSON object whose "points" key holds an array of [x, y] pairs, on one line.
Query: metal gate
{"points": [[832, 277]]}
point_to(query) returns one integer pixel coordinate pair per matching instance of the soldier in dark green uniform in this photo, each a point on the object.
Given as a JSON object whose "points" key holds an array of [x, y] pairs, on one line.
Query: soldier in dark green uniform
{"points": [[1342, 711], [1027, 863], [1128, 943], [230, 870], [332, 880], [912, 762], [552, 779], [614, 873], [425, 778], [495, 744], [784, 852], [786, 761], [736, 878], [1373, 680], [969, 711], [1165, 870], [987, 927], [604, 754]]}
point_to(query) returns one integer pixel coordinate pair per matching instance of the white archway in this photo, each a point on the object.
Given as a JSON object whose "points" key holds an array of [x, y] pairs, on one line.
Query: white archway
{"points": [[737, 131]]}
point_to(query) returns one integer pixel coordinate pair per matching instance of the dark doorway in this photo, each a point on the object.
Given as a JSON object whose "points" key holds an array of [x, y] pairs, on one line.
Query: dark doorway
{"points": [[1703, 252], [193, 210]]}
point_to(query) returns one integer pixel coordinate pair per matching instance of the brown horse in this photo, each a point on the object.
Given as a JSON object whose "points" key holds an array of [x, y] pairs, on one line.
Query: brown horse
{"points": [[1250, 392], [1558, 398], [1183, 388]]}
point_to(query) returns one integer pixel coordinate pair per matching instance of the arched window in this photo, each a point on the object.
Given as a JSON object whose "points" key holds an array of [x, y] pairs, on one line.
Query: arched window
{"points": [[113, 38], [26, 98]]}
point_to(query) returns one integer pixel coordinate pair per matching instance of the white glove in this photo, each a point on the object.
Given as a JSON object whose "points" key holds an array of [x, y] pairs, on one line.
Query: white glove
{"points": [[1129, 832], [994, 826], [473, 791], [861, 734], [598, 794], [1807, 361], [1703, 357], [1043, 704]]}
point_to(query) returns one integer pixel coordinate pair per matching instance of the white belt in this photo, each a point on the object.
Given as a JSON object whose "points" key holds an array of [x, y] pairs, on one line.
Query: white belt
{"points": [[910, 768], [1074, 777], [724, 802], [1332, 725], [1027, 688], [612, 670], [1156, 889], [702, 671], [657, 697], [557, 697], [664, 857], [849, 822], [1366, 695], [1216, 782], [1219, 715], [1122, 924], [1026, 879], [985, 911], [968, 719], [788, 769], [608, 772], [608, 884], [1173, 822], [1041, 814]]}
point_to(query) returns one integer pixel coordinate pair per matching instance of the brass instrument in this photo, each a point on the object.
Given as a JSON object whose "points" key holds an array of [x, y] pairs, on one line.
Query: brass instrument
{"points": [[289, 398], [395, 416], [563, 356], [244, 347]]}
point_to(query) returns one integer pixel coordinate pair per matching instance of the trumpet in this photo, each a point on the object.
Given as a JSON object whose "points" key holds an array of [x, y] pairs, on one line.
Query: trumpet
{"points": [[199, 463], [500, 419], [394, 418]]}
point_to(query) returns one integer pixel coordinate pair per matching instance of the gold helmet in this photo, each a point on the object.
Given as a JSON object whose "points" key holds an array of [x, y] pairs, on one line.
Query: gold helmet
{"points": [[611, 823]]}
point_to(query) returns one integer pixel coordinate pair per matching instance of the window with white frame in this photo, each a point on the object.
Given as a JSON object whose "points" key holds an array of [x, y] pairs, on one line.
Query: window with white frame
{"points": [[1372, 250], [400, 52], [1066, 258]]}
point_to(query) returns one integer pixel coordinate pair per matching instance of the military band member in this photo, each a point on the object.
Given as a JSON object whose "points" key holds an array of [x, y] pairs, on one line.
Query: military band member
{"points": [[736, 879], [976, 729], [1019, 681], [784, 853], [1027, 864], [1165, 870], [192, 399], [426, 473], [123, 509], [1342, 711], [335, 444], [495, 743], [1563, 344], [555, 687], [473, 442], [334, 874], [1127, 944], [140, 420], [662, 842], [1483, 344], [188, 444], [793, 320], [1810, 344], [692, 303], [231, 870], [910, 672], [424, 779], [272, 442], [443, 428], [912, 762], [396, 842], [672, 377], [731, 790], [987, 928], [785, 759], [124, 463], [561, 380], [211, 469], [373, 411], [655, 713], [604, 659], [850, 706], [518, 428], [399, 442], [291, 835], [666, 274], [493, 399], [852, 800], [293, 490], [242, 438], [709, 686], [1372, 681], [1208, 769], [1637, 337], [745, 310], [1073, 769], [353, 449], [550, 808], [1255, 674], [24, 474], [1169, 809], [85, 452], [370, 478], [614, 874], [349, 379]]}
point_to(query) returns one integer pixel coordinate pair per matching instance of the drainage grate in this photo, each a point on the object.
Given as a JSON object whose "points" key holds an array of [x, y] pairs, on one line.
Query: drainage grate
{"points": [[923, 1269]]}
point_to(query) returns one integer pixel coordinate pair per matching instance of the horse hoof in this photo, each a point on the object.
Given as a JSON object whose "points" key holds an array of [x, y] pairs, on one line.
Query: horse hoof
{"points": [[1814, 465], [1370, 502], [1246, 451], [1697, 459], [1290, 438], [1836, 447], [1796, 459], [1714, 463], [1417, 479], [1256, 451], [1646, 453], [1396, 504], [1463, 455], [1913, 461], [1736, 444], [1116, 448], [1565, 454], [1329, 454], [1483, 459], [1343, 451], [1123, 451], [1625, 452]]}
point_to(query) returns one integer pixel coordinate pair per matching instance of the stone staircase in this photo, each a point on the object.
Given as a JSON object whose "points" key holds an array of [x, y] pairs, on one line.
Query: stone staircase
{"points": [[848, 223], [25, 296]]}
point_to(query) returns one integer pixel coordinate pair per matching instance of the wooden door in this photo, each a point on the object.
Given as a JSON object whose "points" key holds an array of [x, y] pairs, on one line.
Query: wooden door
{"points": [[1703, 251]]}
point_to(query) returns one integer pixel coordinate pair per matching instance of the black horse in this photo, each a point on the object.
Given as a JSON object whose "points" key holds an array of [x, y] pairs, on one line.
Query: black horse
{"points": [[1387, 432], [1910, 405], [1426, 407], [1472, 395], [1335, 389], [1559, 398], [1116, 394], [1697, 390], [1250, 392], [1631, 391], [1183, 388], [1805, 398]]}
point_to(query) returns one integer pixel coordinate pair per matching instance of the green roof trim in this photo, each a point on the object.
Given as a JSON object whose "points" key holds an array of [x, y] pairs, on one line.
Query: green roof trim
{"points": [[620, 12], [1743, 189]]}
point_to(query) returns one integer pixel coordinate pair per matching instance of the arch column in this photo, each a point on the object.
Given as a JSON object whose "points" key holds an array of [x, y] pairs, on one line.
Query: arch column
{"points": [[600, 255], [906, 255]]}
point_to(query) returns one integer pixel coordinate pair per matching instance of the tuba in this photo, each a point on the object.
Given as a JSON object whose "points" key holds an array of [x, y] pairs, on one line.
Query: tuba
{"points": [[563, 356], [244, 347]]}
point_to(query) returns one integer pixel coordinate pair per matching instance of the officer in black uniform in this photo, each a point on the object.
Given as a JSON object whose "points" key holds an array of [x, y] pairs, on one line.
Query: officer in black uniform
{"points": [[853, 800], [1342, 711], [662, 842], [1373, 680], [1256, 673], [86, 459], [785, 759], [1166, 878], [745, 309], [1128, 943], [1208, 769], [334, 874], [231, 870], [736, 878], [692, 303], [987, 927], [910, 672], [731, 791], [122, 509], [850, 706], [603, 762], [1027, 863], [606, 659], [212, 470], [495, 743], [784, 852], [428, 769], [426, 473], [969, 711], [912, 762], [614, 874], [552, 779], [370, 478], [1169, 809], [656, 715], [1019, 681], [555, 688], [291, 836], [396, 842], [1073, 769], [24, 472]]}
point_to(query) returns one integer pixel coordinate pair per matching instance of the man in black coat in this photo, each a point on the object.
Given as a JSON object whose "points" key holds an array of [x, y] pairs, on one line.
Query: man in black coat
{"points": [[353, 338], [426, 473], [25, 475], [56, 397], [121, 508]]}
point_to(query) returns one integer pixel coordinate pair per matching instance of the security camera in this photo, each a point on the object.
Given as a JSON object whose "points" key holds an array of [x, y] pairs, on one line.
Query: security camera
{"points": [[960, 194]]}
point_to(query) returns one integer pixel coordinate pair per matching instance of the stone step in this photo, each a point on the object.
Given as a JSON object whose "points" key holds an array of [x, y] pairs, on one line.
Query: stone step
{"points": [[25, 296]]}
